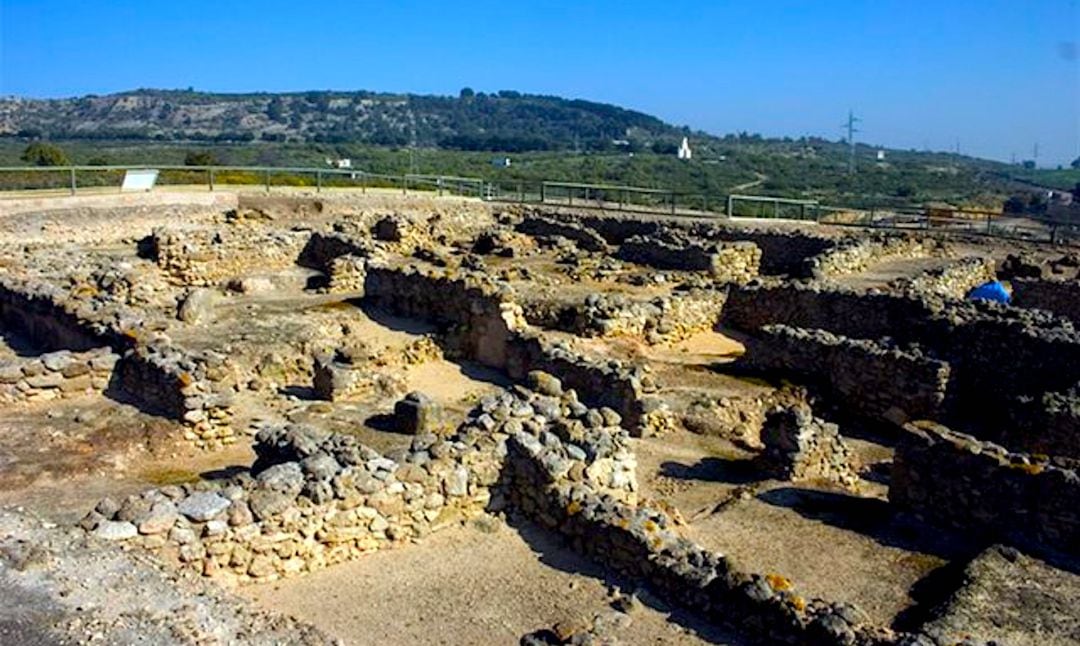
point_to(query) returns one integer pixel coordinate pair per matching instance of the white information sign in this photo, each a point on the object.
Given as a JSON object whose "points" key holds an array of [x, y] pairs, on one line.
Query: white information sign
{"points": [[139, 180]]}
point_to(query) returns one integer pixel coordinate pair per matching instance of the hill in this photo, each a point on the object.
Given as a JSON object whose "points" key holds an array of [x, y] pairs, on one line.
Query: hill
{"points": [[506, 121], [550, 138]]}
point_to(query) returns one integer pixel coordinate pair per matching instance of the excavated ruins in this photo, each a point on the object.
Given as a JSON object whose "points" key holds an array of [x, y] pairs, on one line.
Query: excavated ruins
{"points": [[246, 418]]}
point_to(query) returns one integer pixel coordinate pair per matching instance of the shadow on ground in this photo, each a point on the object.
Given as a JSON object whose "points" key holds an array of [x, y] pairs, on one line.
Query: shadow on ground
{"points": [[714, 470], [553, 552], [876, 519]]}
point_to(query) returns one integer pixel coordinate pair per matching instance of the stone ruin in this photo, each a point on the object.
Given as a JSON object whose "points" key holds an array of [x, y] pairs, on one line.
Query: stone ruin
{"points": [[603, 340]]}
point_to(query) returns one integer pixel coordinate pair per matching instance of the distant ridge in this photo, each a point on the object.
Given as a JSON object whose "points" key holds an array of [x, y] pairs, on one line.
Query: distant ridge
{"points": [[507, 120]]}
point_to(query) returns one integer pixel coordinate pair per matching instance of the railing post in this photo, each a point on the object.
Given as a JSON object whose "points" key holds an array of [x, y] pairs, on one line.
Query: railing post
{"points": [[622, 198], [673, 202], [438, 184], [266, 176], [543, 192], [210, 178], [404, 184], [521, 192], [72, 180], [318, 181], [363, 183]]}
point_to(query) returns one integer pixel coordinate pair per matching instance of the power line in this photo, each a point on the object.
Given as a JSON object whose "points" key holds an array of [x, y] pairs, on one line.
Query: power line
{"points": [[851, 130]]}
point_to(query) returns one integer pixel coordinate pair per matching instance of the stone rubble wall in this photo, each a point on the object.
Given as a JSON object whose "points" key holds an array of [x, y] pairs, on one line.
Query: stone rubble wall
{"points": [[663, 319], [55, 375], [1062, 297], [800, 447], [609, 383], [857, 254], [543, 227], [1048, 424], [954, 280], [337, 378], [193, 389], [51, 319], [644, 543], [322, 248], [316, 498], [998, 355], [735, 262], [490, 328], [347, 275], [954, 479], [870, 378], [208, 256], [481, 311], [784, 250]]}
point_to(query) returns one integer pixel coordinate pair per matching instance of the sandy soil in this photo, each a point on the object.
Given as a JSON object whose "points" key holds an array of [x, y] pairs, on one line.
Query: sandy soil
{"points": [[488, 586], [831, 545]]}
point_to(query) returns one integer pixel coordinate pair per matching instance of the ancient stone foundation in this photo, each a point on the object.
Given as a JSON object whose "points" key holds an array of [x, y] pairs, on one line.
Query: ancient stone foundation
{"points": [[954, 479]]}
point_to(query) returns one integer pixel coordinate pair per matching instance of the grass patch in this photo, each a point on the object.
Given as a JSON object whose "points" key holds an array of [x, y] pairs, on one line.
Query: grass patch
{"points": [[168, 476]]}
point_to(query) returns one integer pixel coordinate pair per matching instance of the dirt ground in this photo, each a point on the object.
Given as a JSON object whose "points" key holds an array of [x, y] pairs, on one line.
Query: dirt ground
{"points": [[481, 583]]}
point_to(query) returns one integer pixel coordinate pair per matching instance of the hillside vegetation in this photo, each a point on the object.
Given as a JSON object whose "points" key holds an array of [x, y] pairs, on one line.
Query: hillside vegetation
{"points": [[547, 138]]}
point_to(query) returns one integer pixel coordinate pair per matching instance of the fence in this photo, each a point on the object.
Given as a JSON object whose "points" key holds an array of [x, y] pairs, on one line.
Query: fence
{"points": [[72, 178], [600, 196]]}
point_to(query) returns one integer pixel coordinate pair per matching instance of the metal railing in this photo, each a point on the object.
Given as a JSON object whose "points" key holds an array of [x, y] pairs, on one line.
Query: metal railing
{"points": [[72, 178], [631, 199]]}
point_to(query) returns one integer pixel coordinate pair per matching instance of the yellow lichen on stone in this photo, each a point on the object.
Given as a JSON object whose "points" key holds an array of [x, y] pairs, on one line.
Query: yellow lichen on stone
{"points": [[778, 582]]}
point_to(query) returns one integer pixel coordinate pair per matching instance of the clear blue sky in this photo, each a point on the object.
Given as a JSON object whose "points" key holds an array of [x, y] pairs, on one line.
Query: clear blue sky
{"points": [[997, 76]]}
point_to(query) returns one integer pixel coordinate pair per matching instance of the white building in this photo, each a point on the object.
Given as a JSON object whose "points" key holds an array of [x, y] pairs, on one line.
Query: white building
{"points": [[339, 163], [881, 155], [500, 162], [684, 149]]}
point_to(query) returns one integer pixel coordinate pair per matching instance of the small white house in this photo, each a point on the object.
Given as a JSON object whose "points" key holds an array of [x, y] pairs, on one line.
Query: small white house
{"points": [[339, 163], [881, 155], [500, 162], [684, 149]]}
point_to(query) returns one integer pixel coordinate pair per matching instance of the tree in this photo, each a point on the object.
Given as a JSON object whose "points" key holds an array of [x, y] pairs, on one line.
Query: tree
{"points": [[275, 110], [467, 93], [201, 158], [43, 154], [1075, 163]]}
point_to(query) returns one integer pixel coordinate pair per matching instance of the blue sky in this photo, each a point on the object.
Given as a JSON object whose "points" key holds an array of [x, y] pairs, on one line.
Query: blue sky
{"points": [[995, 76]]}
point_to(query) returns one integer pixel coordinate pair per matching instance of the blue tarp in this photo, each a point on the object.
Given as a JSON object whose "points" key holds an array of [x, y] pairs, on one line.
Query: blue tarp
{"points": [[991, 291]]}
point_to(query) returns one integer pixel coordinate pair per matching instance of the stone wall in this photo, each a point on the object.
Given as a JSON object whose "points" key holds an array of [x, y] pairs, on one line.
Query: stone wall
{"points": [[321, 249], [315, 498], [609, 383], [808, 305], [481, 311], [784, 250], [542, 227], [55, 375], [801, 447], [856, 254], [953, 479], [1062, 297], [645, 544], [193, 389], [997, 355], [736, 262], [659, 320], [954, 280], [206, 257], [869, 377], [47, 316]]}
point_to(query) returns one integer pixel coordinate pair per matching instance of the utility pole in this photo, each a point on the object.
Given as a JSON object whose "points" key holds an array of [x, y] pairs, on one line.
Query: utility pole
{"points": [[851, 130]]}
